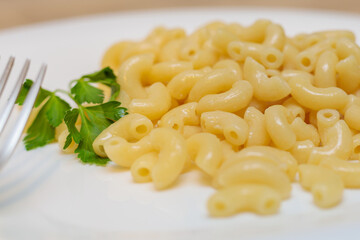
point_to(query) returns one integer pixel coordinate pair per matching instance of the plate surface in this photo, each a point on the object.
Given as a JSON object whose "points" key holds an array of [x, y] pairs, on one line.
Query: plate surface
{"points": [[48, 195]]}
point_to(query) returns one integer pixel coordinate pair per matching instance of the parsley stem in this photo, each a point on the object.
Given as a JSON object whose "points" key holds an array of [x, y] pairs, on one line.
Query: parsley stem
{"points": [[72, 82], [68, 94], [62, 91]]}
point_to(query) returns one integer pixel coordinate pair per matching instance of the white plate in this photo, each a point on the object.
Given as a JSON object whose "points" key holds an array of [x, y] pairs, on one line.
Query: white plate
{"points": [[47, 195]]}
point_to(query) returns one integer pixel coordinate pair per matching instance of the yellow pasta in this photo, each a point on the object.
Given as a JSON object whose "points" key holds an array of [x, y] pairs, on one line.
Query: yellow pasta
{"points": [[232, 127], [316, 98], [337, 141], [265, 88], [242, 198], [279, 128], [258, 135], [348, 171], [250, 107], [214, 82], [269, 56], [281, 159], [234, 99], [206, 151], [254, 172], [180, 116], [325, 185]]}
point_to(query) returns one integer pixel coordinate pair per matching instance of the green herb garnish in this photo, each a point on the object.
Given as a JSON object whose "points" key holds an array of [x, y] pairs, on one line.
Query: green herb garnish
{"points": [[94, 119]]}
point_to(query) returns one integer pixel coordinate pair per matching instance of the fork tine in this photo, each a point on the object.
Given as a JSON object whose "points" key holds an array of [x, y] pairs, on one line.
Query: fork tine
{"points": [[7, 149], [6, 74], [11, 100]]}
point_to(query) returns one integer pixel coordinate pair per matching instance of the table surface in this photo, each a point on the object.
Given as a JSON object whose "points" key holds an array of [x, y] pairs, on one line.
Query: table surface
{"points": [[20, 12]]}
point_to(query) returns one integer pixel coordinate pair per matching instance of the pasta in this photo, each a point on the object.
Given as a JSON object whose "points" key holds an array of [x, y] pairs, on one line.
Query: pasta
{"points": [[250, 107]]}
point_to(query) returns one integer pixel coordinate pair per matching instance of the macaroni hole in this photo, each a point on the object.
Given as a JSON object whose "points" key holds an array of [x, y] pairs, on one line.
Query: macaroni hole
{"points": [[143, 172], [271, 58], [141, 129], [306, 62], [357, 149], [175, 126]]}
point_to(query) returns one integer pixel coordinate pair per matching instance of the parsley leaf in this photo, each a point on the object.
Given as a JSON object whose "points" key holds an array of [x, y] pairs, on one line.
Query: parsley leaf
{"points": [[40, 132], [25, 90], [107, 77], [70, 120], [109, 110], [84, 92], [55, 114]]}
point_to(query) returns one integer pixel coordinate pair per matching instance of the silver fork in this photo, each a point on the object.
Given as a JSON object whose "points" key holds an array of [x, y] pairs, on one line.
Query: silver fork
{"points": [[11, 137]]}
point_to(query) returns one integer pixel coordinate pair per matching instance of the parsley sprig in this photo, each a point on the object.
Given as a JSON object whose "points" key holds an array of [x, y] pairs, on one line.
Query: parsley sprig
{"points": [[53, 110]]}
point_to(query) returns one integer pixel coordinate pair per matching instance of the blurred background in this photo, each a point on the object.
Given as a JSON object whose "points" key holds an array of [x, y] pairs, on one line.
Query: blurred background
{"points": [[19, 12]]}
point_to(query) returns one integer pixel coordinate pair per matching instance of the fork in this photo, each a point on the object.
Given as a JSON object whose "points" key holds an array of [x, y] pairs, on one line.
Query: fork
{"points": [[10, 140]]}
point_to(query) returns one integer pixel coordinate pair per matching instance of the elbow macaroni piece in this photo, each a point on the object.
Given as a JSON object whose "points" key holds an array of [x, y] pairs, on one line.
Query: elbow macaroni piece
{"points": [[278, 127], [206, 151], [290, 53], [290, 73], [180, 116], [232, 127], [281, 159], [230, 65], [169, 145], [325, 70], [325, 119], [141, 169], [294, 109], [131, 75], [348, 70], [275, 36], [222, 38], [112, 55], [265, 88], [306, 60], [172, 156], [301, 151], [325, 185], [125, 153], [337, 141], [304, 131], [346, 47], [352, 115], [180, 85], [165, 71], [254, 172], [170, 51], [255, 32], [235, 99], [131, 127], [214, 82], [256, 198], [348, 171], [160, 35], [138, 48], [155, 105], [258, 135], [316, 98]]}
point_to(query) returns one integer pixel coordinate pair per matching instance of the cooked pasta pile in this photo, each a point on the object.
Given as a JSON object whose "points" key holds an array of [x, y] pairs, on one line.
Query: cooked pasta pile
{"points": [[247, 105]]}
